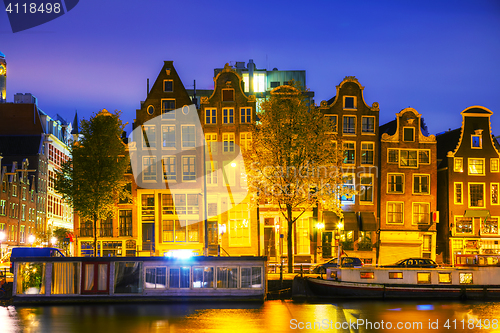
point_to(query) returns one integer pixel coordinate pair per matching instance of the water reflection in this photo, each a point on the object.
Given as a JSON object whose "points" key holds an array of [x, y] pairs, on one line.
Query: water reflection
{"points": [[269, 317]]}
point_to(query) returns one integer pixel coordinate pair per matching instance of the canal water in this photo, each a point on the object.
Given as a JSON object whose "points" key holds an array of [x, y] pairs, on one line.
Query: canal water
{"points": [[267, 317]]}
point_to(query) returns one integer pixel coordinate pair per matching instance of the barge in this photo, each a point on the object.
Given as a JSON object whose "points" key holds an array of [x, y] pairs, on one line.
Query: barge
{"points": [[126, 279]]}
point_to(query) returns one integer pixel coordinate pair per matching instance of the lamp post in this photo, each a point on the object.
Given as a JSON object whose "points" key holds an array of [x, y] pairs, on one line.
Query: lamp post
{"points": [[340, 226], [319, 226], [31, 239], [53, 240]]}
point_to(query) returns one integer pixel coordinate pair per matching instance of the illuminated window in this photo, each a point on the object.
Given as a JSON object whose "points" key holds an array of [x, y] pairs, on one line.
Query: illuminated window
{"points": [[366, 275], [168, 85], [211, 169], [394, 212], [228, 95], [367, 152], [349, 125], [477, 142], [459, 193], [188, 168], [494, 165], [465, 278], [211, 140], [228, 142], [444, 277], [366, 190], [348, 186], [421, 184], [168, 207], [464, 225], [349, 102], [426, 246], [245, 140], [239, 226], [423, 278], [494, 193], [395, 183], [421, 213], [349, 152], [395, 275], [476, 195], [169, 168], [149, 168], [188, 136], [408, 158], [149, 136], [392, 155], [458, 164], [228, 116], [368, 124], [187, 204], [303, 241], [490, 226], [168, 109], [168, 136], [408, 134], [245, 115], [210, 116], [424, 157], [476, 166]]}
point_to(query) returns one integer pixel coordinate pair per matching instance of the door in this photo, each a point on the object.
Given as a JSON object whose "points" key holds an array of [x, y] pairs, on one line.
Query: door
{"points": [[95, 278], [148, 237], [213, 237], [269, 238], [326, 244]]}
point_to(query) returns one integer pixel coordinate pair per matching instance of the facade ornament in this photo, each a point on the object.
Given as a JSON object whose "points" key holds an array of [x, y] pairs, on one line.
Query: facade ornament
{"points": [[228, 84], [204, 100], [375, 107], [323, 104], [429, 139], [227, 68], [251, 98], [410, 120]]}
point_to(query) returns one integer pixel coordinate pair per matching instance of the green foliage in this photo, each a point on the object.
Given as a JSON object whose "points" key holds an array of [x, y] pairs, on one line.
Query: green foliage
{"points": [[32, 275], [92, 181]]}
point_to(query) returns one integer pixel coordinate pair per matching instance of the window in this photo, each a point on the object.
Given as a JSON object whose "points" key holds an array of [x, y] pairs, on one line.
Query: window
{"points": [[494, 193], [188, 168], [395, 275], [349, 189], [168, 136], [239, 226], [395, 183], [167, 204], [366, 193], [228, 95], [149, 136], [203, 277], [421, 213], [366, 275], [151, 109], [490, 226], [188, 136], [349, 125], [395, 212], [392, 155], [168, 85], [179, 277], [349, 152], [227, 277], [210, 116], [229, 173], [168, 109], [423, 278], [426, 246], [228, 116], [458, 193], [149, 168], [23, 212], [464, 225], [303, 241], [193, 231], [125, 222], [2, 207], [476, 141], [169, 168], [211, 140], [368, 124], [408, 158], [476, 166], [106, 227], [465, 278], [245, 115], [156, 278], [458, 164], [494, 165], [211, 177], [424, 157], [408, 134], [476, 195], [367, 152], [22, 234], [444, 277], [333, 122], [245, 140], [349, 102], [228, 140], [421, 184], [186, 204]]}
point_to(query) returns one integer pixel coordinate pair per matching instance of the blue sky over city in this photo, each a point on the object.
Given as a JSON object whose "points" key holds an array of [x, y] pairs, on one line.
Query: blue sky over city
{"points": [[438, 57]]}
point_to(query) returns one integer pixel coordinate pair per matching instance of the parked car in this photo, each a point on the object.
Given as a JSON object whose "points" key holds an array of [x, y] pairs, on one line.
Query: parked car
{"points": [[346, 262], [415, 262]]}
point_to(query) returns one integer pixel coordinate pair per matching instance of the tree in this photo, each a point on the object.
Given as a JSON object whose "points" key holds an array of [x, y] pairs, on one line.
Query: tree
{"points": [[295, 160], [93, 179], [60, 234]]}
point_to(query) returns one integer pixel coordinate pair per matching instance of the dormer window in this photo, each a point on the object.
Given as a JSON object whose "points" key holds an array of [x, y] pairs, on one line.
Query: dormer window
{"points": [[408, 134], [476, 140], [350, 102], [228, 95], [168, 85]]}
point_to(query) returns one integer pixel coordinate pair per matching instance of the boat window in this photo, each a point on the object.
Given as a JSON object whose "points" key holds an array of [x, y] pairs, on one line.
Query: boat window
{"points": [[444, 277], [395, 275], [251, 277], [203, 277], [333, 275], [33, 281], [424, 277], [179, 277], [65, 278], [128, 277], [156, 278], [227, 277], [366, 275], [465, 278]]}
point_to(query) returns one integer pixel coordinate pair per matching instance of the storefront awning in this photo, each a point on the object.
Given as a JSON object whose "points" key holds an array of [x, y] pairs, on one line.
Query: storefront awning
{"points": [[477, 213], [368, 221], [331, 220], [350, 221]]}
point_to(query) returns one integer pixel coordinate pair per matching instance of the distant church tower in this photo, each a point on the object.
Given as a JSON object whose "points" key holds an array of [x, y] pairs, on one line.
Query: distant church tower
{"points": [[3, 78]]}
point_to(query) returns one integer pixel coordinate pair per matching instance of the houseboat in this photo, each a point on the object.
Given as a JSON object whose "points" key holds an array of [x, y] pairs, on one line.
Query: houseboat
{"points": [[122, 279], [474, 277]]}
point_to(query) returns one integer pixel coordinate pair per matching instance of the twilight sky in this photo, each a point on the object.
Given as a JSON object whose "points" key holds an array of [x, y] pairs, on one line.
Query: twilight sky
{"points": [[438, 57]]}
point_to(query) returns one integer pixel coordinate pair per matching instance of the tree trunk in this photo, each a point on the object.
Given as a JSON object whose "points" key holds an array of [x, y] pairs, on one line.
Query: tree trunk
{"points": [[95, 235], [289, 237]]}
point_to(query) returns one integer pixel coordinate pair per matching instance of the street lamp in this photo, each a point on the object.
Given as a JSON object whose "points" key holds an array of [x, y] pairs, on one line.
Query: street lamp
{"points": [[53, 240], [31, 239], [340, 226]]}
